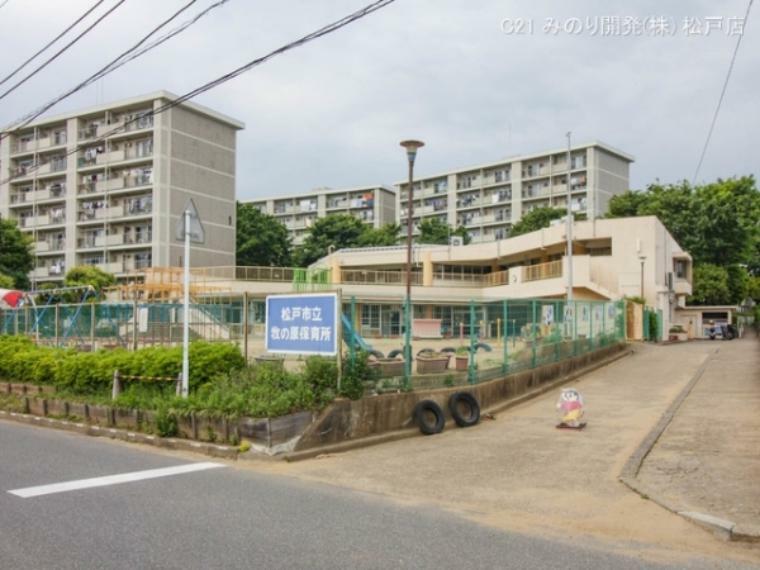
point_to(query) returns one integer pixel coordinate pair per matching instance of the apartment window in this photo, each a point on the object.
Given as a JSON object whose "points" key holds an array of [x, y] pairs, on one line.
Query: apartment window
{"points": [[143, 260], [144, 147], [370, 316], [59, 137], [681, 268]]}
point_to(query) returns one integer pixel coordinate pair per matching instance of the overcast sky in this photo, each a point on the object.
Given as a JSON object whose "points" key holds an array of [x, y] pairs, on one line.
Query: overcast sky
{"points": [[449, 72]]}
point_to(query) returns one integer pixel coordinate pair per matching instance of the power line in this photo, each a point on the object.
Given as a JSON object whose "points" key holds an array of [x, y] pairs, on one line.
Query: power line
{"points": [[51, 42], [4, 2], [63, 49], [722, 95], [325, 30], [124, 58]]}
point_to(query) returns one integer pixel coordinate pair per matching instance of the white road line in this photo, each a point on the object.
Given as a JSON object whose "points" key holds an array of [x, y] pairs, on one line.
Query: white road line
{"points": [[112, 479]]}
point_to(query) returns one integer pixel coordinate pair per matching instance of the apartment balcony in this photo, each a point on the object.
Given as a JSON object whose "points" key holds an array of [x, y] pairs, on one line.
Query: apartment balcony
{"points": [[111, 267], [89, 132], [536, 193], [43, 220], [681, 286], [50, 168], [337, 205], [50, 246], [109, 157], [135, 210], [109, 213], [49, 271]]}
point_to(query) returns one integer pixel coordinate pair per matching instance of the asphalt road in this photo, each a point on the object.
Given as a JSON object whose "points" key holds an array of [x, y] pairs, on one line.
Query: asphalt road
{"points": [[233, 518]]}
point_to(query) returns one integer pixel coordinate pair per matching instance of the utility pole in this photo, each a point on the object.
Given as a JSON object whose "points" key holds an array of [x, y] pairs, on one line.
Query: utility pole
{"points": [[569, 231], [186, 311]]}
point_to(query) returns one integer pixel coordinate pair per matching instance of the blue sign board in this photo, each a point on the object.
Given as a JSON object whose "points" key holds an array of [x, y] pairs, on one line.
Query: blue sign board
{"points": [[302, 324]]}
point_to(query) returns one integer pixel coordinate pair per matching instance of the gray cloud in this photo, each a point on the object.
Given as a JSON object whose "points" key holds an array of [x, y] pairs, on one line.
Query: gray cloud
{"points": [[332, 113]]}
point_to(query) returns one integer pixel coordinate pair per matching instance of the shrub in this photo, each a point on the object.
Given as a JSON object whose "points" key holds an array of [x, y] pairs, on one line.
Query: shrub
{"points": [[355, 374]]}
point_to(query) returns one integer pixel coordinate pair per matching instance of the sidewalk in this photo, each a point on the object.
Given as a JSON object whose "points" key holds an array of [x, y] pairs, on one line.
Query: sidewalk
{"points": [[520, 473], [708, 459]]}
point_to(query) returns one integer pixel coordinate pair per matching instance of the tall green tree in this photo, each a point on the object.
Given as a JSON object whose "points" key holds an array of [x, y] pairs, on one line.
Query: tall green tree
{"points": [[716, 223], [382, 236], [6, 282], [433, 230], [710, 285], [336, 231], [84, 275], [261, 239], [536, 219], [16, 259]]}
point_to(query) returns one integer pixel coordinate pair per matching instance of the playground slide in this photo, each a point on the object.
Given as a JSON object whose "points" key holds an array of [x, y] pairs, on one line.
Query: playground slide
{"points": [[349, 333]]}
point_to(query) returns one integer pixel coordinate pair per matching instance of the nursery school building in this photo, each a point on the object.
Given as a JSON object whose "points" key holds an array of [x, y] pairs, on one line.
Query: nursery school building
{"points": [[612, 259]]}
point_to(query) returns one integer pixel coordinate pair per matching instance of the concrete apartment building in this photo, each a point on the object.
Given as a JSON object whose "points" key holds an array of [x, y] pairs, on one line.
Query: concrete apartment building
{"points": [[488, 199], [374, 205], [106, 185]]}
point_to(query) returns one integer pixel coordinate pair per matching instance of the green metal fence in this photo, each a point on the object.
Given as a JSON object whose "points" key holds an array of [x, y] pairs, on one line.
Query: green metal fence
{"points": [[441, 344]]}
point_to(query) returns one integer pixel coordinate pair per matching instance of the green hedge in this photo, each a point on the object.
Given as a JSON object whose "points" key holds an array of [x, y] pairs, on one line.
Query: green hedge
{"points": [[220, 383], [92, 372]]}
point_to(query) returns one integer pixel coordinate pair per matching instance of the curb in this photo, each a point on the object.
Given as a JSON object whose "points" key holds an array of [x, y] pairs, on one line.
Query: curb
{"points": [[413, 432], [211, 449], [725, 529]]}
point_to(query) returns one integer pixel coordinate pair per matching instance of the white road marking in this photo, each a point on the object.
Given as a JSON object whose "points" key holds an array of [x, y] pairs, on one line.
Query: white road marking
{"points": [[27, 492]]}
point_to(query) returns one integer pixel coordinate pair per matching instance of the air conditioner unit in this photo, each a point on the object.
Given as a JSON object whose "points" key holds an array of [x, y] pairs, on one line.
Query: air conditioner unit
{"points": [[456, 241]]}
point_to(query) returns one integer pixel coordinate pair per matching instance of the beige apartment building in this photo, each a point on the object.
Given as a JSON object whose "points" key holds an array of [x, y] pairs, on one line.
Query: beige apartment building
{"points": [[374, 205], [106, 185], [488, 199]]}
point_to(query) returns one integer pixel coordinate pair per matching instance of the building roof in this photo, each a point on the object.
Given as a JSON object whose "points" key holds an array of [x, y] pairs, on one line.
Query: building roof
{"points": [[604, 146], [135, 101], [318, 191]]}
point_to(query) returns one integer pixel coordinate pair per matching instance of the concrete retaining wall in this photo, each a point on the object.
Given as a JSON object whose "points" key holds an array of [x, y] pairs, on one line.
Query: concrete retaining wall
{"points": [[348, 420]]}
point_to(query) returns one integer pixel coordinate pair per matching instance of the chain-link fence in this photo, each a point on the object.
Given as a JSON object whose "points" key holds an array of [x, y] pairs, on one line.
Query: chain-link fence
{"points": [[449, 344]]}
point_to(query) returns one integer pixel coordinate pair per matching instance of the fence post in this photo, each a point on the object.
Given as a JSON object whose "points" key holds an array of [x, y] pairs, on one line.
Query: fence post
{"points": [[92, 326], [574, 307], [556, 325], [245, 326], [178, 384], [505, 337], [56, 324], [591, 326], [352, 340], [534, 333], [473, 341], [116, 388], [134, 324]]}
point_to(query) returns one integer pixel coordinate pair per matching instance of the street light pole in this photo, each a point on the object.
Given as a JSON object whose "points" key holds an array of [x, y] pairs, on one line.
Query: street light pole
{"points": [[569, 231], [411, 147], [642, 259]]}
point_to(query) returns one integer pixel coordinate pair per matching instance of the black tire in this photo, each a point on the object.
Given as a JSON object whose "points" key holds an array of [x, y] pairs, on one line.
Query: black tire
{"points": [[396, 352], [449, 349], [464, 409], [425, 351], [486, 347], [375, 353], [424, 412]]}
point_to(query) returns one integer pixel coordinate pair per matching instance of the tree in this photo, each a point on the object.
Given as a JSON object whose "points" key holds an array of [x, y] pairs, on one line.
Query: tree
{"points": [[384, 235], [88, 275], [336, 230], [6, 281], [536, 219], [716, 223], [261, 239], [738, 283], [626, 205], [753, 288], [710, 285], [16, 258], [433, 230]]}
